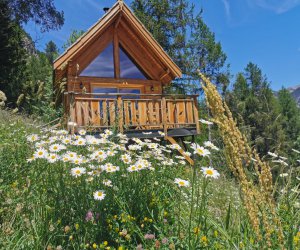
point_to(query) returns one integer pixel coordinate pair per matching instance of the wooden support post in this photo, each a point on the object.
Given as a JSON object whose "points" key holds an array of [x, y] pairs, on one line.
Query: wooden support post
{"points": [[120, 116], [164, 114], [181, 151], [116, 54], [196, 115]]}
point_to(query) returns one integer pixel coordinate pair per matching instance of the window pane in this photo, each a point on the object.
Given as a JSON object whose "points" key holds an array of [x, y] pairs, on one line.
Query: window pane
{"points": [[105, 91], [130, 91], [102, 65], [128, 68]]}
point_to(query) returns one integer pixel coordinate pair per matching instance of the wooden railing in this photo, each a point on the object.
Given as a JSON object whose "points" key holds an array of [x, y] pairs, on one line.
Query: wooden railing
{"points": [[132, 111]]}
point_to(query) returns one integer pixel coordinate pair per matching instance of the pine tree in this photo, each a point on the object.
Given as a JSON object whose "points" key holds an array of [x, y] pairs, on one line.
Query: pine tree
{"points": [[75, 34], [257, 110], [51, 51], [206, 54], [186, 38], [168, 22], [12, 55], [291, 115]]}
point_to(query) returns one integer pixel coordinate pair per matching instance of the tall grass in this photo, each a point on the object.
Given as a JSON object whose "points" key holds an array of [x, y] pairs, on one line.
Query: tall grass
{"points": [[44, 206]]}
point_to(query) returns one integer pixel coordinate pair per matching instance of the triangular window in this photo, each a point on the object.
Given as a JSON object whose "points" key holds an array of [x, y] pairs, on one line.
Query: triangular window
{"points": [[102, 65], [128, 68]]}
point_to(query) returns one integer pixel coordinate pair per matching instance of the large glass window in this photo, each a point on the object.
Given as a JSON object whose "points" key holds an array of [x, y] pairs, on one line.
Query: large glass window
{"points": [[128, 68], [102, 65]]}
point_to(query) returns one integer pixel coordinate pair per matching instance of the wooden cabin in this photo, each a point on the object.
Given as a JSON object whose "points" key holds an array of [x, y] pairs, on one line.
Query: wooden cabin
{"points": [[114, 77]]}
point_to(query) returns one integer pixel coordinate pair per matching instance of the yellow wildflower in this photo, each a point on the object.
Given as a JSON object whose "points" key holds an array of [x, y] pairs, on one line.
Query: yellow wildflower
{"points": [[204, 239], [196, 230]]}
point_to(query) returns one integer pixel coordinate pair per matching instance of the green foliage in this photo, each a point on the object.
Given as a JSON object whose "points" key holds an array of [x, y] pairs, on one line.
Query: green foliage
{"points": [[75, 34], [187, 39], [12, 55], [257, 110], [26, 75], [206, 54], [51, 51], [39, 96], [42, 13], [291, 114]]}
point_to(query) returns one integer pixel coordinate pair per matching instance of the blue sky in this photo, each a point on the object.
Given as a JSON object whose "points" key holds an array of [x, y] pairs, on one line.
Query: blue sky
{"points": [[266, 32]]}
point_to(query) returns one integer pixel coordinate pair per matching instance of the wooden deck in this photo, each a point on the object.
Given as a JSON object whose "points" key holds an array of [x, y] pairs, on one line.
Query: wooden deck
{"points": [[132, 113]]}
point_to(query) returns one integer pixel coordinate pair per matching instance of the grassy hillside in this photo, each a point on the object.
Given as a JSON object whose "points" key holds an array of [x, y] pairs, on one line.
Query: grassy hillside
{"points": [[81, 192]]}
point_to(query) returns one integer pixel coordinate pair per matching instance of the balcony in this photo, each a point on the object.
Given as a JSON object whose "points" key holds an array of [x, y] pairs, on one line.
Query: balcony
{"points": [[134, 114]]}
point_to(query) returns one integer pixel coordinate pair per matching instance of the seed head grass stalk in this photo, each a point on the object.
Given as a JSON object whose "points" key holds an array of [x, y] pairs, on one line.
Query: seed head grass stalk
{"points": [[256, 194]]}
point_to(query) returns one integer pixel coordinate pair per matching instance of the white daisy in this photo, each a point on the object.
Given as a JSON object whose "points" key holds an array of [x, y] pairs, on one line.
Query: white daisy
{"points": [[41, 153], [210, 172], [80, 142], [181, 182], [32, 158], [71, 155], [107, 183], [32, 138], [132, 168], [56, 147], [77, 160], [199, 150], [78, 171], [99, 195], [111, 153], [52, 158], [209, 144], [174, 146], [126, 158], [82, 132], [108, 132], [66, 140]]}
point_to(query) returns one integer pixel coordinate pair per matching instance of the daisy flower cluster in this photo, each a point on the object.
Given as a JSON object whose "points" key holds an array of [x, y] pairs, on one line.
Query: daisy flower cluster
{"points": [[203, 151], [89, 156]]}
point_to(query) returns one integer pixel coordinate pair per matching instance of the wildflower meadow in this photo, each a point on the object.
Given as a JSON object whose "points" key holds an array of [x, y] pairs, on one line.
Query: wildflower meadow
{"points": [[106, 191]]}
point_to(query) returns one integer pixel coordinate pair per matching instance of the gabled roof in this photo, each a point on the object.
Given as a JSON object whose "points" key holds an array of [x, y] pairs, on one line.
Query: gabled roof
{"points": [[119, 12]]}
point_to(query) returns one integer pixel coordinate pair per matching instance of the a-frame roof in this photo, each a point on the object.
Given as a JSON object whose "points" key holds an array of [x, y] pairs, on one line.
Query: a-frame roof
{"points": [[118, 14]]}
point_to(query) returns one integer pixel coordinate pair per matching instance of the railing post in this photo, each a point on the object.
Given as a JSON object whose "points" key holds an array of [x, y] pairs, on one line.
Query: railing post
{"points": [[164, 114], [120, 116], [196, 114]]}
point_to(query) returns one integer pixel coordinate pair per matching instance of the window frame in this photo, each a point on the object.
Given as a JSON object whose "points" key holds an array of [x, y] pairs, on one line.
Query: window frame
{"points": [[116, 47]]}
